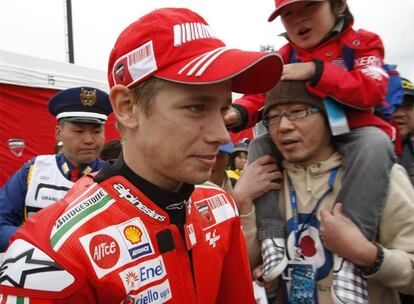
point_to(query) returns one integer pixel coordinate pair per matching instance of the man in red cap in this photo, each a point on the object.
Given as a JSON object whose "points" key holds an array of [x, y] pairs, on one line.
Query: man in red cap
{"points": [[146, 229]]}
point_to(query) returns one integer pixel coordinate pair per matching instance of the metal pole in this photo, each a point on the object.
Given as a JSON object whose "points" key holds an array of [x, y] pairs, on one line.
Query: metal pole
{"points": [[70, 31]]}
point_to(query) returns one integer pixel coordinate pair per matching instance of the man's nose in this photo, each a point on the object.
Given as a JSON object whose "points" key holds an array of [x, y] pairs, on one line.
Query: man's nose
{"points": [[88, 137], [285, 123], [218, 131]]}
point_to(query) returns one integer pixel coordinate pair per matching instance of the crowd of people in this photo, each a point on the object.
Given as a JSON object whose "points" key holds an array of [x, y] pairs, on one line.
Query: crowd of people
{"points": [[174, 212]]}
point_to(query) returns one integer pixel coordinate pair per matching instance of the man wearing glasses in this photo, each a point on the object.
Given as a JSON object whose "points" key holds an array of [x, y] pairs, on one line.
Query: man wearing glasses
{"points": [[316, 229]]}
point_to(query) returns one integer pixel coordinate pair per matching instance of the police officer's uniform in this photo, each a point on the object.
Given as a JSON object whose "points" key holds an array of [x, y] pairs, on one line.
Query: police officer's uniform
{"points": [[45, 179]]}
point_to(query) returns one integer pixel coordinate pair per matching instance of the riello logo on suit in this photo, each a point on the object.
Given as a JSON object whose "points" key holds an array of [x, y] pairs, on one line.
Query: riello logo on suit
{"points": [[104, 251]]}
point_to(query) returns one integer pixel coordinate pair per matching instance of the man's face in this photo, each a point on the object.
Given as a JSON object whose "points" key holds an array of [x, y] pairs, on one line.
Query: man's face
{"points": [[404, 117], [304, 141], [177, 140], [82, 142]]}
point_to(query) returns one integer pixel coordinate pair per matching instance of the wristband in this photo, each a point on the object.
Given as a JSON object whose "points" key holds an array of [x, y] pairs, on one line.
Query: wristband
{"points": [[370, 270]]}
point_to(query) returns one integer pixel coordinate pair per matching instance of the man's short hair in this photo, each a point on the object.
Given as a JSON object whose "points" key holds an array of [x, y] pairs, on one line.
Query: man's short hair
{"points": [[145, 92]]}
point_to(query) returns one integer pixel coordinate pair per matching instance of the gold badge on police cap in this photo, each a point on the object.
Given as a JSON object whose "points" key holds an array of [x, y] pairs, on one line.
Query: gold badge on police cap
{"points": [[87, 97]]}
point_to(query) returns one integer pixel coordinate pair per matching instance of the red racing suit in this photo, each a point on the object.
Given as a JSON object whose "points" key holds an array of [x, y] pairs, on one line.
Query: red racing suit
{"points": [[107, 242], [360, 89]]}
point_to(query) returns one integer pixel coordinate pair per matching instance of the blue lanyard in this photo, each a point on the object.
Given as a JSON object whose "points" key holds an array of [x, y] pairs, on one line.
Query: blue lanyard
{"points": [[294, 204]]}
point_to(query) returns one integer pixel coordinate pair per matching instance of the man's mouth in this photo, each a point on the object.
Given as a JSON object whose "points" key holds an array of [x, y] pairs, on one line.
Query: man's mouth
{"points": [[207, 159], [88, 150], [288, 141]]}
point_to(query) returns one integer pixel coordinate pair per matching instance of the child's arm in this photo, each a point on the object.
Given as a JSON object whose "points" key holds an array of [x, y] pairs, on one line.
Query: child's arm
{"points": [[363, 87], [248, 108]]}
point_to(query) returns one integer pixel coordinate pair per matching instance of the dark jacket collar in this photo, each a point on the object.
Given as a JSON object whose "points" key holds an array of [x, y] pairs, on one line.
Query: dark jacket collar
{"points": [[171, 202]]}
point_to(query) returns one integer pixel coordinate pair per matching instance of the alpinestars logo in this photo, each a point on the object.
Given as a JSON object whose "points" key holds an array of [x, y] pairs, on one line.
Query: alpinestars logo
{"points": [[176, 206], [28, 266], [126, 193]]}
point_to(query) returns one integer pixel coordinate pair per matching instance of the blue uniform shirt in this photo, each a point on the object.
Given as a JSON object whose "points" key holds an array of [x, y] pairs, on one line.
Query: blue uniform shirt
{"points": [[13, 195]]}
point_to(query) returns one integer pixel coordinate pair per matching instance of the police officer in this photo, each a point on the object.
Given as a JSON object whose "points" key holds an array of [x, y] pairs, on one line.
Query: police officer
{"points": [[81, 114]]}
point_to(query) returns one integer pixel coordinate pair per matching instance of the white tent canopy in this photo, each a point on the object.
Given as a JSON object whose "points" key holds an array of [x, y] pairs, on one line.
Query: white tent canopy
{"points": [[30, 71]]}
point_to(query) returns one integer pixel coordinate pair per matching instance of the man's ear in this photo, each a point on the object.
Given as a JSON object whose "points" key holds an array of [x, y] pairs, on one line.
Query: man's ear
{"points": [[58, 132], [124, 107]]}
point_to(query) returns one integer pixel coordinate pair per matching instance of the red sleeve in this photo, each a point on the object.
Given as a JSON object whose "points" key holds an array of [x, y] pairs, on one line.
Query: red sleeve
{"points": [[236, 281], [363, 87], [39, 254], [252, 104], [82, 296]]}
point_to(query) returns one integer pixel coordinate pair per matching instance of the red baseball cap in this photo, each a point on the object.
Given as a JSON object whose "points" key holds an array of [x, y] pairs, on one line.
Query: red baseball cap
{"points": [[283, 3], [178, 45]]}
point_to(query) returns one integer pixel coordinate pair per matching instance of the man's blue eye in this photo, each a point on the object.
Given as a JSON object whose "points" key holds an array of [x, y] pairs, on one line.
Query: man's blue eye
{"points": [[196, 108]]}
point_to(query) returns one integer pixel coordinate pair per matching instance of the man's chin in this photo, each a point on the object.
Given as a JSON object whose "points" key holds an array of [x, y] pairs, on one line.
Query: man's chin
{"points": [[87, 160], [197, 179], [294, 159]]}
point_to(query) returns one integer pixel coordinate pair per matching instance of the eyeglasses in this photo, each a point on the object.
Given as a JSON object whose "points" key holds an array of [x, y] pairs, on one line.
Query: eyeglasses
{"points": [[291, 115]]}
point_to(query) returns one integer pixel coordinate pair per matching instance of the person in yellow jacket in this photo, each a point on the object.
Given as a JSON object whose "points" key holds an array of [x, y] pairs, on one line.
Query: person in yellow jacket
{"points": [[237, 161]]}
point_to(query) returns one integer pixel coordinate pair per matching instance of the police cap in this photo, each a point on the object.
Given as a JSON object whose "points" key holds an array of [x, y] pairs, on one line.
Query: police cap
{"points": [[82, 104]]}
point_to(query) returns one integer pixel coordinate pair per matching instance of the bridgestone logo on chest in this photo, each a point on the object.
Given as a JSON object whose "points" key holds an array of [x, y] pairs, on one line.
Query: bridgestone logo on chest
{"points": [[79, 214]]}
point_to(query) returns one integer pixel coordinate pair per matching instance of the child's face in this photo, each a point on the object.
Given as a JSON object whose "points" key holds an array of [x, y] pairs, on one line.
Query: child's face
{"points": [[240, 160], [308, 22]]}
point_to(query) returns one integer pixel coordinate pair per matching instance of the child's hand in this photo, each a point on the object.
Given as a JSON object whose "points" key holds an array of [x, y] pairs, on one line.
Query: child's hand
{"points": [[232, 118], [298, 71]]}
